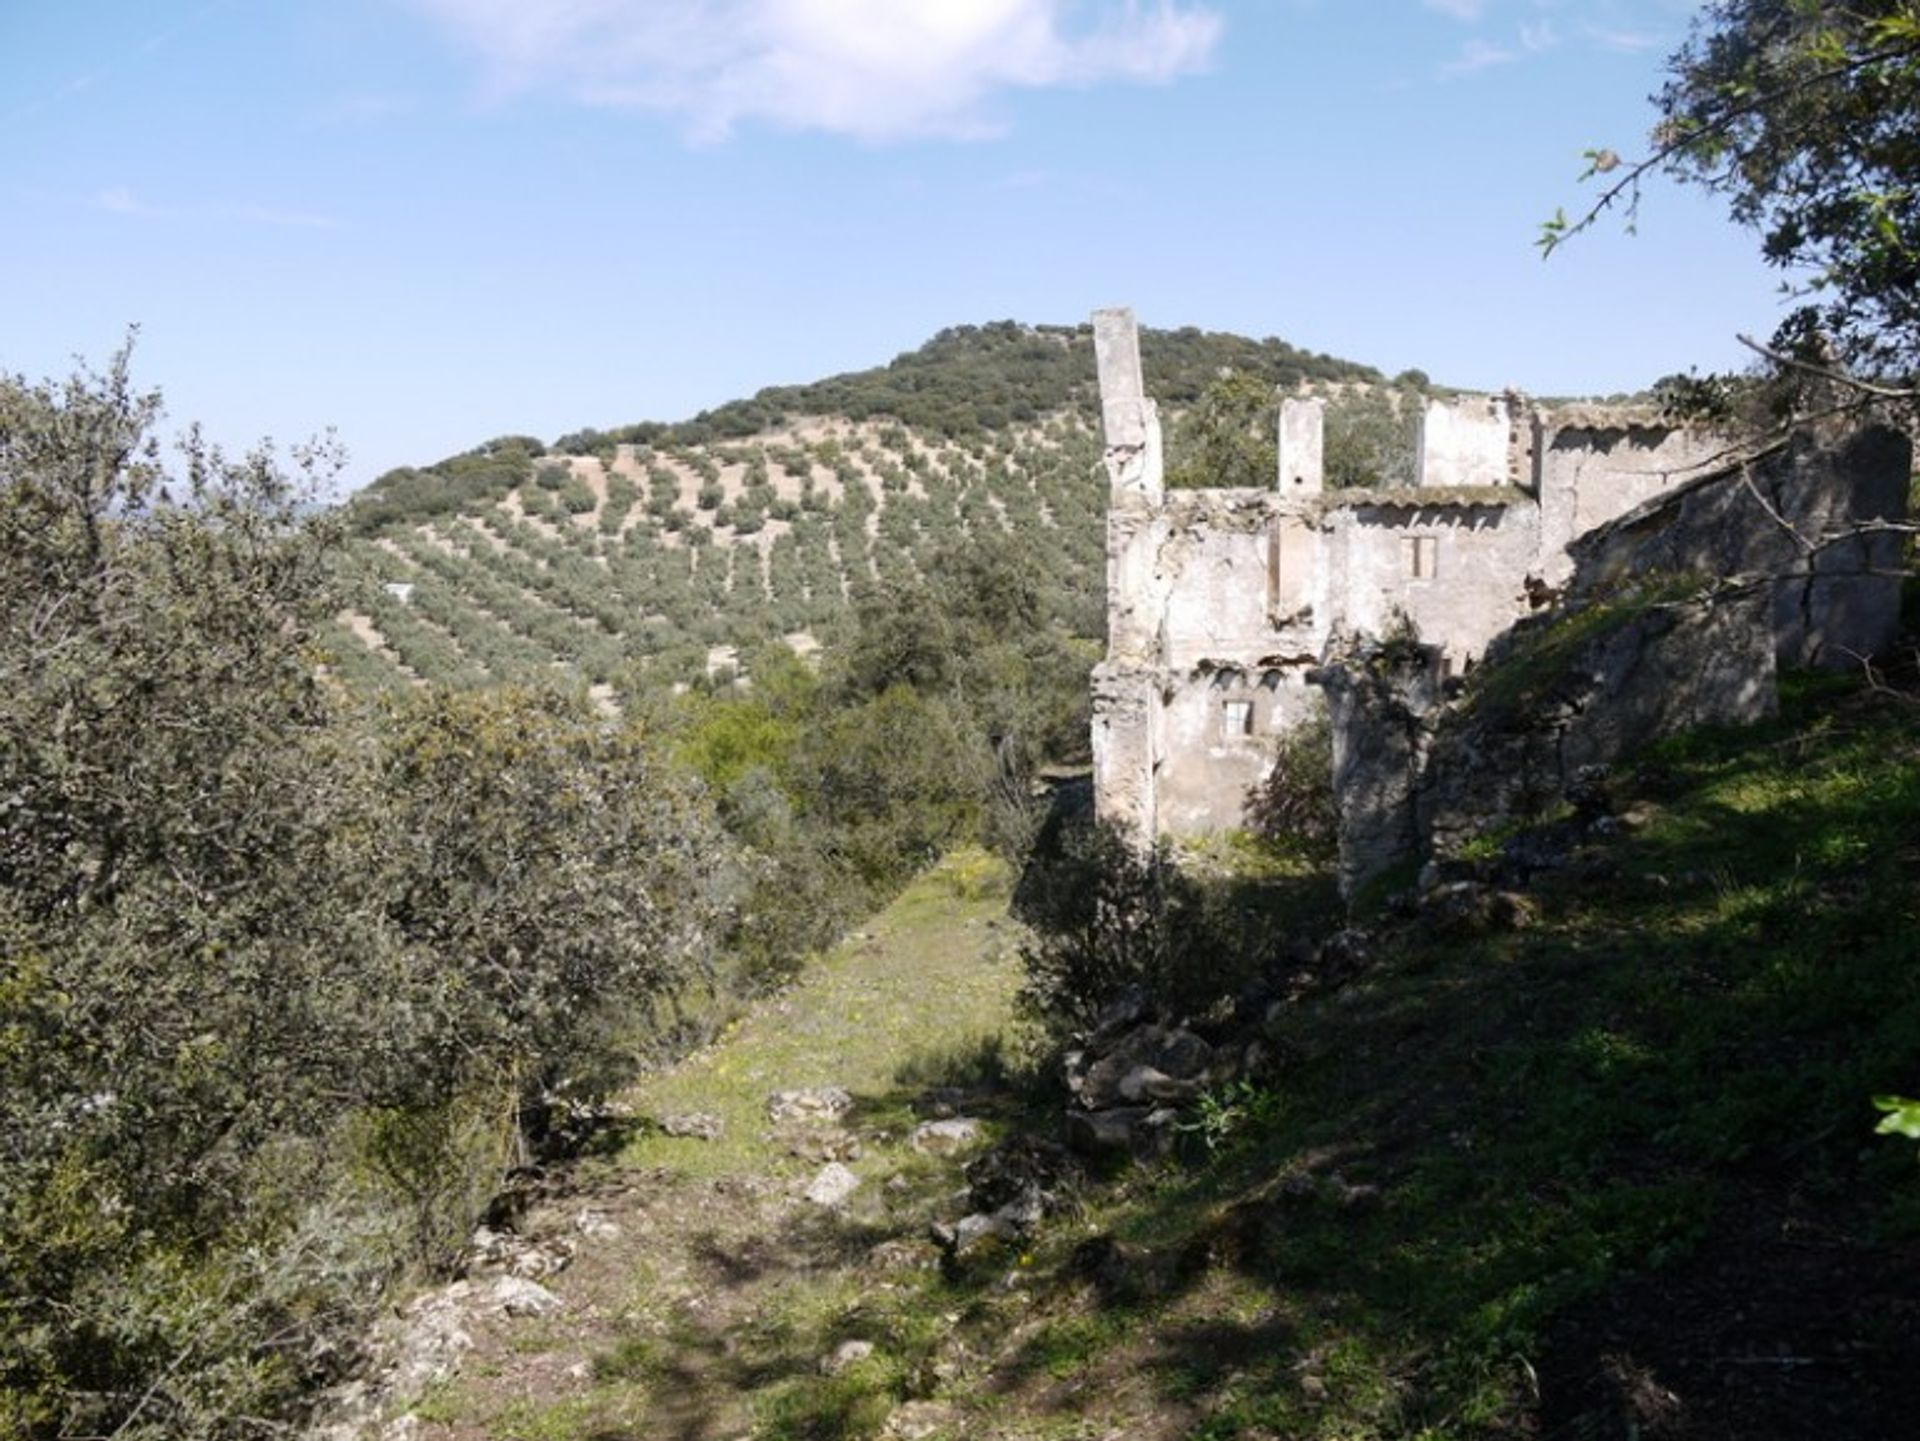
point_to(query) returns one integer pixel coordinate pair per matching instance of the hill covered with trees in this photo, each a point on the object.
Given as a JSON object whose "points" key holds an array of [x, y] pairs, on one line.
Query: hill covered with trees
{"points": [[658, 553]]}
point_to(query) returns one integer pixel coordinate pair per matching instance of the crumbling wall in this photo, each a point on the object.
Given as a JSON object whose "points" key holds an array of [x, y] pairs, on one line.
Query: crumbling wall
{"points": [[1592, 464], [1804, 517], [1380, 703], [1560, 695], [1455, 568], [1240, 628], [1218, 728], [1466, 442], [1676, 616], [1126, 748], [1221, 601], [1216, 560]]}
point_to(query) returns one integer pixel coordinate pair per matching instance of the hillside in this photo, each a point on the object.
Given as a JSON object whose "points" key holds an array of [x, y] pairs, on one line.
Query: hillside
{"points": [[1603, 1168], [652, 553]]}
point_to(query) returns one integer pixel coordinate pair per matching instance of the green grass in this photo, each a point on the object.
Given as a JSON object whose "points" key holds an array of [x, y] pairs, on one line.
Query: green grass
{"points": [[1456, 1155], [1678, 1054], [920, 995], [1547, 1112]]}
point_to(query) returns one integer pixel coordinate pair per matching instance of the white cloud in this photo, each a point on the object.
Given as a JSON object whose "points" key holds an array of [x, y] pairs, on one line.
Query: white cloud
{"points": [[1630, 41], [120, 200], [1466, 11], [1475, 56], [876, 69]]}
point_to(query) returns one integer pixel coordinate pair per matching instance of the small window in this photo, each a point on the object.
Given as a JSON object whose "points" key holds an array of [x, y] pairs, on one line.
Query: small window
{"points": [[1236, 719], [1422, 554]]}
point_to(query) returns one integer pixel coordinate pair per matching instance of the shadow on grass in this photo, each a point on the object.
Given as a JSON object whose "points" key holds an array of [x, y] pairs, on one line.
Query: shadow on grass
{"points": [[1545, 1181]]}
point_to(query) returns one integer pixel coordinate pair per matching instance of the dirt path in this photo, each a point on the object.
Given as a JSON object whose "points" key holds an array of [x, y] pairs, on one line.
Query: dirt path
{"points": [[689, 1288]]}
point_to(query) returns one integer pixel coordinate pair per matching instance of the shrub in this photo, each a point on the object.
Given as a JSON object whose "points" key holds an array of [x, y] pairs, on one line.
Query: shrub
{"points": [[1109, 918], [1294, 808]]}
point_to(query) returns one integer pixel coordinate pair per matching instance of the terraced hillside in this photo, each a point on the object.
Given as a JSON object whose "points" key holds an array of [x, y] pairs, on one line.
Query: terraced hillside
{"points": [[657, 554], [674, 561]]}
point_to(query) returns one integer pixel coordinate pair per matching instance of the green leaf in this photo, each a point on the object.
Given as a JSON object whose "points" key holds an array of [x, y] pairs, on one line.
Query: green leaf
{"points": [[1902, 1118]]}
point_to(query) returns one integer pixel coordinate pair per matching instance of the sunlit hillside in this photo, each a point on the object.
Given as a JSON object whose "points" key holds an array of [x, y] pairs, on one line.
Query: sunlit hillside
{"points": [[655, 553]]}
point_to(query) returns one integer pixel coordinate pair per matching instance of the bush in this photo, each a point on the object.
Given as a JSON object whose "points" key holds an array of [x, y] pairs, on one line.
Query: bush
{"points": [[282, 984], [1294, 808], [1109, 918]]}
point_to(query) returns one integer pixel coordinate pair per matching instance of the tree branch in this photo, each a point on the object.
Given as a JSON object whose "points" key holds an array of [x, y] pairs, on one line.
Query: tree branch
{"points": [[1839, 377]]}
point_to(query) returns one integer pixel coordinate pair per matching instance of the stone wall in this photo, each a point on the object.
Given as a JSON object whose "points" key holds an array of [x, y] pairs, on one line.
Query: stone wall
{"points": [[1457, 569], [1802, 516], [1381, 700], [1676, 616], [1575, 691], [1592, 464], [1220, 601]]}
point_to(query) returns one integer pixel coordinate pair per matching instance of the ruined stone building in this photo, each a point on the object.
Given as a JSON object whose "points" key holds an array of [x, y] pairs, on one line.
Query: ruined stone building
{"points": [[1221, 601]]}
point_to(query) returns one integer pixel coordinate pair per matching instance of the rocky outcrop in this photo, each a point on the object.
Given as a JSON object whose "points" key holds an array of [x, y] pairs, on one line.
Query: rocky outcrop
{"points": [[1676, 616], [1813, 519], [1620, 678], [1380, 701], [1561, 695]]}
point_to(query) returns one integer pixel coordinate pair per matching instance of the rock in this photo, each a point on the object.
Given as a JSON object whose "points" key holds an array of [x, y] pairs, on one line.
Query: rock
{"points": [[847, 1353], [1017, 1171], [1586, 792], [943, 1138], [1095, 1075], [814, 1103], [833, 1186], [502, 1253], [1344, 952], [1469, 908], [596, 1226], [821, 1144], [1332, 1189], [1154, 1136], [944, 1102], [1144, 1083], [970, 1232], [517, 1296], [1096, 1132], [1132, 1008], [919, 1420], [694, 1125], [433, 1337], [1145, 1132]]}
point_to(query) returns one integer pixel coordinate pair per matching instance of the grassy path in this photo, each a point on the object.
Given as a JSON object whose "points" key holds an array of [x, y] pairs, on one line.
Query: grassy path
{"points": [[706, 1298]]}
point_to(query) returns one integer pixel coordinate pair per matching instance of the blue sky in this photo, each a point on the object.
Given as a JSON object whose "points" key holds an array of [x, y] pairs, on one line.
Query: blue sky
{"points": [[426, 222]]}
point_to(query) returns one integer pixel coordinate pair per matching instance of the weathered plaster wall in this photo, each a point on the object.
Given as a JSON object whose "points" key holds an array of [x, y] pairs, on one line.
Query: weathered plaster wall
{"points": [[1592, 464], [1218, 730], [1466, 442], [1302, 446], [1456, 570], [1220, 601], [1216, 562]]}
